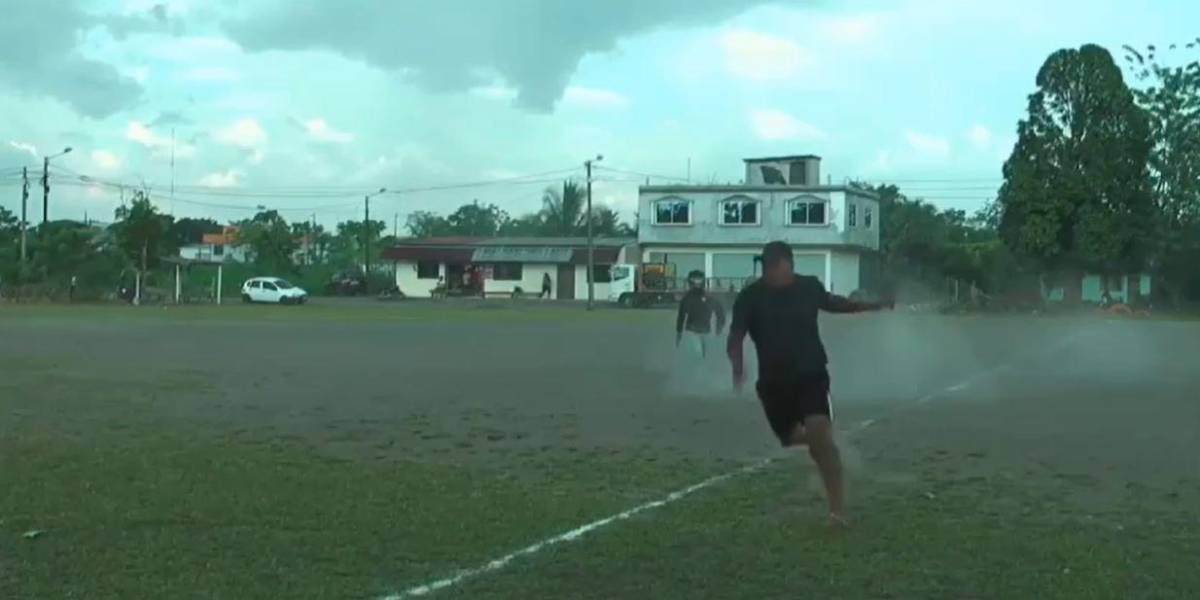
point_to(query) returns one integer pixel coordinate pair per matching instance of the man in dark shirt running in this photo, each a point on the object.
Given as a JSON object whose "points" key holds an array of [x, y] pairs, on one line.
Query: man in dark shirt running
{"points": [[696, 312], [779, 312]]}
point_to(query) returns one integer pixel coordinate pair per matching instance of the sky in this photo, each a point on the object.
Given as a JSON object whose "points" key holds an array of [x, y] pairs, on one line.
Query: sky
{"points": [[304, 106]]}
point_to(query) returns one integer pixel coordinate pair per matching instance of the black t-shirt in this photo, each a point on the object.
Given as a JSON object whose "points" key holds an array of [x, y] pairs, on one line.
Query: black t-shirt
{"points": [[783, 324]]}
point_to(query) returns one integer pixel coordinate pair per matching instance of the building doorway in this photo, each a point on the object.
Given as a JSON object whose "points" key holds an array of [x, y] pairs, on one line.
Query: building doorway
{"points": [[566, 282]]}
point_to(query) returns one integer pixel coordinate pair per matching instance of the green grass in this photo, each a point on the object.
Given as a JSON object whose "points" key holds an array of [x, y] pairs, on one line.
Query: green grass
{"points": [[171, 516], [420, 310]]}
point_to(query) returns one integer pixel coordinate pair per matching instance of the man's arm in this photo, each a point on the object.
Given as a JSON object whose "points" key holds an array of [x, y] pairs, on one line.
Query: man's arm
{"points": [[720, 310], [680, 319], [840, 304], [738, 327]]}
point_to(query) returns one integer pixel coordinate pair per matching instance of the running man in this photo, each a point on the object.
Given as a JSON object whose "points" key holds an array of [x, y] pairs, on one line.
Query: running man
{"points": [[779, 312], [696, 312]]}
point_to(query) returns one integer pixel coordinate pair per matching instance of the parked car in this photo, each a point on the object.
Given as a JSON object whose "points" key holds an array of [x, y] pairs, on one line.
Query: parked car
{"points": [[272, 290], [346, 283]]}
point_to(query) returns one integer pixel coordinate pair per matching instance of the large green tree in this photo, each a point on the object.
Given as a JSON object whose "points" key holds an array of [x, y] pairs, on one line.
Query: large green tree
{"points": [[426, 224], [478, 220], [270, 240], [189, 230], [10, 241], [1076, 192], [347, 246], [1171, 96], [142, 232], [563, 212]]}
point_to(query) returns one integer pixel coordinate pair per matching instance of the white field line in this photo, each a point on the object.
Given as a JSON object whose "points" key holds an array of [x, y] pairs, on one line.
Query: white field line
{"points": [[574, 534]]}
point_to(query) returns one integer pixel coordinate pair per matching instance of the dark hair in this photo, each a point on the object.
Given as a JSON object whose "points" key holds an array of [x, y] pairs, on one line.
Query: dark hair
{"points": [[697, 274], [774, 252]]}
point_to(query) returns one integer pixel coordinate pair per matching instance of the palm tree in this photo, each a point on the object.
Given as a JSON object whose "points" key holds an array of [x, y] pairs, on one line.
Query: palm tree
{"points": [[563, 212]]}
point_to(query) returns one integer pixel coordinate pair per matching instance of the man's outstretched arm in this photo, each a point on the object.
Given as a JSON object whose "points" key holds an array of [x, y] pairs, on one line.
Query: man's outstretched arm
{"points": [[841, 304]]}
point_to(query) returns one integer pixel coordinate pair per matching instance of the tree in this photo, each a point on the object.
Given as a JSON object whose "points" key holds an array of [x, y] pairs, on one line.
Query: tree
{"points": [[425, 224], [1076, 194], [563, 212], [1171, 97], [60, 250], [607, 223], [347, 248], [10, 240], [530, 225], [314, 239], [191, 231], [141, 232], [477, 220], [270, 240]]}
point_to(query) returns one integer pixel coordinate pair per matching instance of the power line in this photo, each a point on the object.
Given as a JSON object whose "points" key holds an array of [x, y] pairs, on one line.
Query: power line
{"points": [[640, 174]]}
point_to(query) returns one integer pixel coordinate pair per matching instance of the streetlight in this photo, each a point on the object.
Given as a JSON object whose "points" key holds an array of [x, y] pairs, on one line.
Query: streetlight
{"points": [[367, 238], [591, 246], [46, 183]]}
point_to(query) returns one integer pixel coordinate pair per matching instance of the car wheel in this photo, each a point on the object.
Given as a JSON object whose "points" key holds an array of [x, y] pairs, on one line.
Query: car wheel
{"points": [[245, 298], [284, 300], [626, 300]]}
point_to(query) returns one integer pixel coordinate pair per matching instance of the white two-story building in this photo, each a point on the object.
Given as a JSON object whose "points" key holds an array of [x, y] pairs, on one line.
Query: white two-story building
{"points": [[721, 229]]}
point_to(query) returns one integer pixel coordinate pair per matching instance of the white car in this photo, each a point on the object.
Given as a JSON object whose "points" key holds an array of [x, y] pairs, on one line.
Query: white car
{"points": [[273, 290]]}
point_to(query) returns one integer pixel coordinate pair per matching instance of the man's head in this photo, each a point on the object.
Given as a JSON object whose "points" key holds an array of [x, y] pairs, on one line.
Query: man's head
{"points": [[778, 265], [695, 280]]}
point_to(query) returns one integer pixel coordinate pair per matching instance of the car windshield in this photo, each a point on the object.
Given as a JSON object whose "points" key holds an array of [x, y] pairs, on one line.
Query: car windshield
{"points": [[283, 285]]}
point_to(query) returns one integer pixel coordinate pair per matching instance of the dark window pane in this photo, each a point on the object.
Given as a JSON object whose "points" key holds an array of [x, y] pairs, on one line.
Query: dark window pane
{"points": [[750, 212], [816, 213]]}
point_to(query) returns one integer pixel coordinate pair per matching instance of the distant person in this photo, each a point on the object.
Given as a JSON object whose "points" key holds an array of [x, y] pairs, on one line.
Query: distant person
{"points": [[71, 289], [779, 312], [696, 313], [547, 286]]}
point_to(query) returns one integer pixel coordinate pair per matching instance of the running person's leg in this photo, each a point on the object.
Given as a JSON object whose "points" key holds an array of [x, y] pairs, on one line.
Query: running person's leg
{"points": [[818, 432]]}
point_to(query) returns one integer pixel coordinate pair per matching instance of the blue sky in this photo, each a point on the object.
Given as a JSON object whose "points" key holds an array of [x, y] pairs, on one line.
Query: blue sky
{"points": [[305, 105]]}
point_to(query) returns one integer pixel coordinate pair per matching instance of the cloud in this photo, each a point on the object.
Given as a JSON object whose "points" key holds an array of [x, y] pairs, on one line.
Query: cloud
{"points": [[772, 124], [533, 45], [594, 98], [762, 57], [850, 29], [927, 145], [209, 75], [322, 131], [170, 118], [25, 147], [246, 134], [979, 136], [105, 160], [42, 58], [222, 179], [159, 145], [495, 92]]}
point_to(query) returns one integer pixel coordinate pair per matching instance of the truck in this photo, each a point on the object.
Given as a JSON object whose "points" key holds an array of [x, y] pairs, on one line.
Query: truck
{"points": [[644, 285]]}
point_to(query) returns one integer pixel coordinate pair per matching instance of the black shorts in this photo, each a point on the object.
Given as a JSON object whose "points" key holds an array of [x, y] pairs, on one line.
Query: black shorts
{"points": [[788, 402]]}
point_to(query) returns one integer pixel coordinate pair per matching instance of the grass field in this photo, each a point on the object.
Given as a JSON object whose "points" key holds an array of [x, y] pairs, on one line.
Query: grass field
{"points": [[358, 450]]}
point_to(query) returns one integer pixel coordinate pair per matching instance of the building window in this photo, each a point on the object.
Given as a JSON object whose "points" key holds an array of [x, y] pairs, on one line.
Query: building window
{"points": [[852, 215], [772, 176], [806, 212], [797, 173], [675, 211], [602, 274], [219, 250], [428, 269], [507, 272], [867, 214], [739, 211]]}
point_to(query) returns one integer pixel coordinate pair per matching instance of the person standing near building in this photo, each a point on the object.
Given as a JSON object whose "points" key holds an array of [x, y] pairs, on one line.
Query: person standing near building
{"points": [[71, 290], [696, 312], [547, 286], [779, 313]]}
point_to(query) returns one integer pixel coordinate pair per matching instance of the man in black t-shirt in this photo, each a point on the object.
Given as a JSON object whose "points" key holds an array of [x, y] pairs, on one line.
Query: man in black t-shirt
{"points": [[696, 312], [779, 313]]}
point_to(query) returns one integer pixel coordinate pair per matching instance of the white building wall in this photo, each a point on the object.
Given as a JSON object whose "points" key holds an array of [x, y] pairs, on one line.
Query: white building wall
{"points": [[706, 227], [808, 262], [407, 281], [601, 289], [530, 282], [844, 273]]}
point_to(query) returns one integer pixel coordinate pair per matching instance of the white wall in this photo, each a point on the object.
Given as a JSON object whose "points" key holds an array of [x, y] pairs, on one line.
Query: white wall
{"points": [[530, 282], [808, 262], [601, 289], [406, 279], [844, 273]]}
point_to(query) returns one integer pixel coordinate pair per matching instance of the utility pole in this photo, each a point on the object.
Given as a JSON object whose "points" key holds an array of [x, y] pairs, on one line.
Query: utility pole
{"points": [[591, 244], [367, 239], [46, 185], [312, 241], [367, 243], [45, 192], [24, 218]]}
